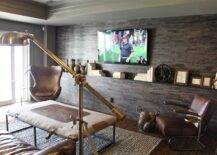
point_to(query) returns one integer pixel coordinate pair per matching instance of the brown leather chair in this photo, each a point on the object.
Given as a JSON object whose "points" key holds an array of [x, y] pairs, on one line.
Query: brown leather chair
{"points": [[192, 123], [9, 145], [46, 82]]}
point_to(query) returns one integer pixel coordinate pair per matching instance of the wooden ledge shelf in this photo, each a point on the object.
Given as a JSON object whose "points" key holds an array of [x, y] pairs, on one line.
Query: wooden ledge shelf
{"points": [[155, 83]]}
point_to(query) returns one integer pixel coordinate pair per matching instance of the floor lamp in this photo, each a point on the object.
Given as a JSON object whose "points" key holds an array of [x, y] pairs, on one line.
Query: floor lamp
{"points": [[22, 39]]}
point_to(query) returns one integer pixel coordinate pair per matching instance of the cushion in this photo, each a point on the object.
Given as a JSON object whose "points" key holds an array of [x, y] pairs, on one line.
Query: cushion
{"points": [[61, 126], [44, 94], [175, 126], [10, 145]]}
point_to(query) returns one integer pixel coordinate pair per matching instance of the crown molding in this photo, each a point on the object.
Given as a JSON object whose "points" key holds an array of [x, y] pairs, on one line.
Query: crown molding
{"points": [[75, 8], [24, 8], [68, 12]]}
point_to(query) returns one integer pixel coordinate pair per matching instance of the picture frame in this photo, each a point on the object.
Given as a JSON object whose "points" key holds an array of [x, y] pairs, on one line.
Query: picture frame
{"points": [[196, 80], [207, 81], [214, 82], [181, 77]]}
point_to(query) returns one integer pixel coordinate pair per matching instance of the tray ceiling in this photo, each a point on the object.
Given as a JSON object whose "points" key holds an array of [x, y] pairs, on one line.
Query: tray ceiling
{"points": [[66, 12]]}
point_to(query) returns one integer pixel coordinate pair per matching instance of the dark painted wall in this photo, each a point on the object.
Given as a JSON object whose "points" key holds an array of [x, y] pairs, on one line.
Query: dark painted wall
{"points": [[46, 36], [182, 42], [36, 56], [191, 41]]}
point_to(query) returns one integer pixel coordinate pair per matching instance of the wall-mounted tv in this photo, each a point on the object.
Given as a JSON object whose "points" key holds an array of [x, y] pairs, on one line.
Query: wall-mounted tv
{"points": [[123, 46]]}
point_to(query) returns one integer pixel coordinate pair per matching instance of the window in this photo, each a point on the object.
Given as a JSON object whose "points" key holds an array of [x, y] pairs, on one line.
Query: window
{"points": [[14, 77], [6, 94], [21, 76]]}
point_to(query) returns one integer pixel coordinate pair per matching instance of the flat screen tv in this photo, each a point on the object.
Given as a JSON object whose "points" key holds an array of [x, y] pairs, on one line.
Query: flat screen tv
{"points": [[123, 46]]}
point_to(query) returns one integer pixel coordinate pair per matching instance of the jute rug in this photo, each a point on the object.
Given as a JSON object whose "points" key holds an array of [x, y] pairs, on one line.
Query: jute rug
{"points": [[131, 143], [127, 142]]}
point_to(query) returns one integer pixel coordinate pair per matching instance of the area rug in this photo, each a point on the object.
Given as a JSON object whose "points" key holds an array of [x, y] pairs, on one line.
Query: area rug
{"points": [[127, 142], [131, 143]]}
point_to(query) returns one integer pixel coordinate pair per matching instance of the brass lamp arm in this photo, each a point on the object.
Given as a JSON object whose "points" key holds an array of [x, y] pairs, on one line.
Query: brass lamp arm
{"points": [[79, 79]]}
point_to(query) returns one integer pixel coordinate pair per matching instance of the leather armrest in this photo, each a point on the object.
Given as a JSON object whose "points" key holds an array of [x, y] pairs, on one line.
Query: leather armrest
{"points": [[186, 112], [175, 104], [66, 146]]}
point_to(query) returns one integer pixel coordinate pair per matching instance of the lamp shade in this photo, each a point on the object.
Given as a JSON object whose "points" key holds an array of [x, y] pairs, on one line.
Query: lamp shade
{"points": [[14, 39]]}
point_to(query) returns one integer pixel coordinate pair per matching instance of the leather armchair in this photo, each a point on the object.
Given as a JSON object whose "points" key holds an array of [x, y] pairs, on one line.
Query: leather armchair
{"points": [[65, 147], [11, 145], [192, 122], [46, 82]]}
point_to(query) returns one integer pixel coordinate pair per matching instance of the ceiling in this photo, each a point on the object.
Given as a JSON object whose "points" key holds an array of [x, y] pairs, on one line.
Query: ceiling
{"points": [[67, 12]]}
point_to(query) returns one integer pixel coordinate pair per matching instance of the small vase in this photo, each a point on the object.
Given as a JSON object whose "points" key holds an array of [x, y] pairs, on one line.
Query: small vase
{"points": [[72, 65], [83, 70], [77, 69]]}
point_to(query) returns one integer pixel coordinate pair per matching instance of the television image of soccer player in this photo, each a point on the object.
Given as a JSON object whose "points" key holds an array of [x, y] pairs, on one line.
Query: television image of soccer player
{"points": [[126, 49]]}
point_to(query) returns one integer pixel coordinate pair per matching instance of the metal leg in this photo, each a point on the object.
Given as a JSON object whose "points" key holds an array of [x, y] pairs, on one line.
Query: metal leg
{"points": [[80, 115], [35, 136], [7, 123], [14, 131], [114, 133], [111, 141], [201, 144]]}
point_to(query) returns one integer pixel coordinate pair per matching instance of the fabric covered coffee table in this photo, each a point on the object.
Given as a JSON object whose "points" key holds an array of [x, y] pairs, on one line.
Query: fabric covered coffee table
{"points": [[59, 119]]}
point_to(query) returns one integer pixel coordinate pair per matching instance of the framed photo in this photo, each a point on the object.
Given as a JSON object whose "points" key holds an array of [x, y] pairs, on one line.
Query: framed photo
{"points": [[214, 84], [181, 77], [196, 81], [207, 81]]}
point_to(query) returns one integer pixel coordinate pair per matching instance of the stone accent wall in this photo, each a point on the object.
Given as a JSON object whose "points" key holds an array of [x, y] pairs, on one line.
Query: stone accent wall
{"points": [[182, 42]]}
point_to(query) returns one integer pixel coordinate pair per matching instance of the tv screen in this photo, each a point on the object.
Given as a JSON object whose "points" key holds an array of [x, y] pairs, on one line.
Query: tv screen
{"points": [[123, 46]]}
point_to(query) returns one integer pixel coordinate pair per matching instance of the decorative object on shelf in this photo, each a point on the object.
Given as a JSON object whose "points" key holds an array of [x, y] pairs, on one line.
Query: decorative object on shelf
{"points": [[83, 69], [196, 81], [86, 65], [93, 71], [214, 82], [119, 75], [67, 63], [96, 73], [146, 121], [77, 68], [72, 63], [91, 66], [207, 81], [163, 73], [181, 77], [148, 77]]}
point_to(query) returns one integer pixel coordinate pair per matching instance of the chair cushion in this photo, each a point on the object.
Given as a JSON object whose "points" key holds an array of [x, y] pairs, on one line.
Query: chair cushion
{"points": [[46, 79], [175, 126], [200, 105], [44, 94], [9, 145]]}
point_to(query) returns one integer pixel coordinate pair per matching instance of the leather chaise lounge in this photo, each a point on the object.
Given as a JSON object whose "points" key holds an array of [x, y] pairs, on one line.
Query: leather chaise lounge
{"points": [[9, 145]]}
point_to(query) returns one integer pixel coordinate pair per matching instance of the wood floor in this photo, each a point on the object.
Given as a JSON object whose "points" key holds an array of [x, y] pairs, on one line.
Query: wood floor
{"points": [[163, 148]]}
